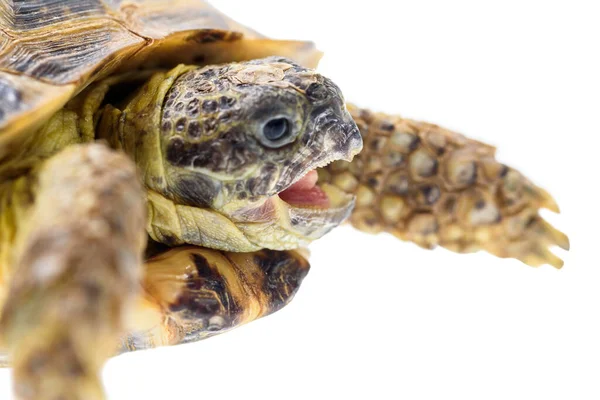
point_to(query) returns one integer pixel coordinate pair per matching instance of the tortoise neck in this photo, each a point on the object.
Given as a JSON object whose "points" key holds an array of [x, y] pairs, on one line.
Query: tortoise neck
{"points": [[134, 126]]}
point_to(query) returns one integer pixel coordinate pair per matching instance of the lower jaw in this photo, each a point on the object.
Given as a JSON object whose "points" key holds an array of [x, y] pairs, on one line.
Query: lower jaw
{"points": [[314, 222], [309, 222], [278, 225]]}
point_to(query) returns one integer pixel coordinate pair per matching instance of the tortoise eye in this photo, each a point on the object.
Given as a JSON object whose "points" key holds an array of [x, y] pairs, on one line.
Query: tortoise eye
{"points": [[276, 129]]}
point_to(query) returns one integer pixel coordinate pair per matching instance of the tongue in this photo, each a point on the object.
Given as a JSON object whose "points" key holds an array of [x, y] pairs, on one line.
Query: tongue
{"points": [[305, 193]]}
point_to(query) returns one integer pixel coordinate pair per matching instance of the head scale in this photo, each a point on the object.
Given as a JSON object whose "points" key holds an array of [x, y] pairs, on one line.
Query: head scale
{"points": [[234, 136]]}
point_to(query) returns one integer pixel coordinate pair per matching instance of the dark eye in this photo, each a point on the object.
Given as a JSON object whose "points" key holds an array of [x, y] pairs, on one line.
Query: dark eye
{"points": [[276, 129]]}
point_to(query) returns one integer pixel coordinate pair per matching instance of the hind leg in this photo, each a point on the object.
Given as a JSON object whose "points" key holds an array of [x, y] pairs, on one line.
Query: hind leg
{"points": [[75, 275]]}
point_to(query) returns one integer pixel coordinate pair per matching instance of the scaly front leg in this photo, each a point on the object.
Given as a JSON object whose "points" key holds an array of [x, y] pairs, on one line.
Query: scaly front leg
{"points": [[432, 186], [76, 273]]}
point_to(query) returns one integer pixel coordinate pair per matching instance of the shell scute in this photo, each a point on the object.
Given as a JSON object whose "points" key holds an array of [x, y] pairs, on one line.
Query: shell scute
{"points": [[54, 49]]}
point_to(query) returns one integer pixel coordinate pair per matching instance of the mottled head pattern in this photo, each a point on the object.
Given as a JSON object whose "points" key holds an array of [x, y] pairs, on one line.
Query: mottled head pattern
{"points": [[233, 136], [251, 129], [223, 141]]}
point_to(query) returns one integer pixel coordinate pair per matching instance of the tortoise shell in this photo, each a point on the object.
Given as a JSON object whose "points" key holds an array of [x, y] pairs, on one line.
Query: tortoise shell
{"points": [[50, 50]]}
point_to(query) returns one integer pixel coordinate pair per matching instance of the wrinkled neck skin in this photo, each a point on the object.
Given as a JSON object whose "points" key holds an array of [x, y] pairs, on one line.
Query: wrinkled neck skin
{"points": [[185, 207]]}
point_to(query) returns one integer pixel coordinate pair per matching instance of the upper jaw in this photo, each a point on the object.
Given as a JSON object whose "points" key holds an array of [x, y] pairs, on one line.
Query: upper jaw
{"points": [[352, 143], [342, 141], [273, 223], [279, 225]]}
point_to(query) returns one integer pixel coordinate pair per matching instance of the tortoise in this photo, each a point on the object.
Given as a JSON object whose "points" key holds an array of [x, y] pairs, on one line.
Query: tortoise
{"points": [[163, 167]]}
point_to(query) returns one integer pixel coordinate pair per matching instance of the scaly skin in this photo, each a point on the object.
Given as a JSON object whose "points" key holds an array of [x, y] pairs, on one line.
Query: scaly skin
{"points": [[213, 187], [192, 293], [212, 175], [209, 177], [431, 186], [76, 272], [72, 214]]}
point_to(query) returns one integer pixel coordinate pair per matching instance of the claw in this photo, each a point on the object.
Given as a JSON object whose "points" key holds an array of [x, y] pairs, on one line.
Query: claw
{"points": [[532, 245], [549, 257], [554, 236], [446, 190], [547, 201], [541, 197]]}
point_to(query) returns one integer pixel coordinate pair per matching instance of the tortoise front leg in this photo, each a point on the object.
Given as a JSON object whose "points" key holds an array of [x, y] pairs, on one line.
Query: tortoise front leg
{"points": [[76, 273], [432, 186], [192, 293]]}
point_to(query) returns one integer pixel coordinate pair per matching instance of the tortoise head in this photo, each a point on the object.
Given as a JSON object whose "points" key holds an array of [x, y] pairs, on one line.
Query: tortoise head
{"points": [[244, 140]]}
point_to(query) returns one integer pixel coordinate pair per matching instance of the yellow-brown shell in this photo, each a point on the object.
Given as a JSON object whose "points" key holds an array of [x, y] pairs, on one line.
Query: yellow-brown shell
{"points": [[50, 50]]}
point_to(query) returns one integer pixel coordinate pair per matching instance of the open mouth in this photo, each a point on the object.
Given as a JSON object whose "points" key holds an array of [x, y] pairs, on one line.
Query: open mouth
{"points": [[306, 193], [299, 214], [309, 193], [302, 209], [311, 207]]}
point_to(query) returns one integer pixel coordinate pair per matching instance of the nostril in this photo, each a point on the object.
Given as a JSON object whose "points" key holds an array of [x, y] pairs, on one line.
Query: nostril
{"points": [[317, 92]]}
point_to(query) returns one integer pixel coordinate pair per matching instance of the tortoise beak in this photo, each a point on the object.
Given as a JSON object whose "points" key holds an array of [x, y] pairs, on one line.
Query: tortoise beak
{"points": [[297, 209], [353, 141], [340, 136]]}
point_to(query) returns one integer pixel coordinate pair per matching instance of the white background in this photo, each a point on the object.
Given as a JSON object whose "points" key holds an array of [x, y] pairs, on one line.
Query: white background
{"points": [[381, 319]]}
